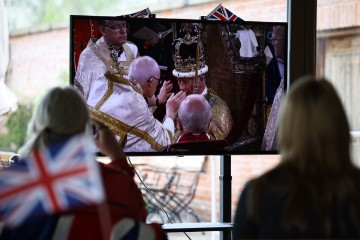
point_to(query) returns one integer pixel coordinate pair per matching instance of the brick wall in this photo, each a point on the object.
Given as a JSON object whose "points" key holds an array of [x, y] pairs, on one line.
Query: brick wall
{"points": [[249, 10], [338, 14], [38, 61], [243, 168]]}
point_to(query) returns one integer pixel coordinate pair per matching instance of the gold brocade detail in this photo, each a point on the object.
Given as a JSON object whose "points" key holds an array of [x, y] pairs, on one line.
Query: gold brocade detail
{"points": [[209, 93], [100, 48], [221, 120], [106, 96], [122, 129], [122, 141], [122, 67], [121, 80], [170, 135]]}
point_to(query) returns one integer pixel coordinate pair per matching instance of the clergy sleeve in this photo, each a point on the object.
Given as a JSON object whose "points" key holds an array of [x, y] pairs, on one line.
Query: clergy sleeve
{"points": [[169, 125]]}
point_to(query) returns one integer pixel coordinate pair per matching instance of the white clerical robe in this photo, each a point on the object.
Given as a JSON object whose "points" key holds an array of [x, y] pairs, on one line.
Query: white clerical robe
{"points": [[95, 60], [118, 103]]}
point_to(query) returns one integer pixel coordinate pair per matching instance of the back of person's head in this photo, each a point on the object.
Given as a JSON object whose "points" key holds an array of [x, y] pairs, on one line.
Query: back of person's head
{"points": [[144, 68], [60, 114], [313, 131], [194, 113]]}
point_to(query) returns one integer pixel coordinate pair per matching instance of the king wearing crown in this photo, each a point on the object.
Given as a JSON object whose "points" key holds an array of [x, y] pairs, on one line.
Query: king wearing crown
{"points": [[190, 70]]}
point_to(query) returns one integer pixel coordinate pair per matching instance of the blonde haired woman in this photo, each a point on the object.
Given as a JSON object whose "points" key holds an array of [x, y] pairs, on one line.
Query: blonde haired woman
{"points": [[313, 192]]}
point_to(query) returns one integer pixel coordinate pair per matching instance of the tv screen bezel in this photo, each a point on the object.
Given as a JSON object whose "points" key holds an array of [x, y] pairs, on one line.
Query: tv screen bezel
{"points": [[169, 20]]}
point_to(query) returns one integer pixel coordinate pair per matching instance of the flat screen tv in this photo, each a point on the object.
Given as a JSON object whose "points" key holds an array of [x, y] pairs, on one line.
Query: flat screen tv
{"points": [[246, 68]]}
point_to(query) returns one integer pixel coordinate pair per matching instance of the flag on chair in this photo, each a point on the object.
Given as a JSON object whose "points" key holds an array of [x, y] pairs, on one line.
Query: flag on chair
{"points": [[140, 14], [223, 14], [51, 180]]}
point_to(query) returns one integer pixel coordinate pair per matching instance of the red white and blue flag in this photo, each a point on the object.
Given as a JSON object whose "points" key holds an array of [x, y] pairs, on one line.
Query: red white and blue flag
{"points": [[140, 14], [223, 14], [49, 181]]}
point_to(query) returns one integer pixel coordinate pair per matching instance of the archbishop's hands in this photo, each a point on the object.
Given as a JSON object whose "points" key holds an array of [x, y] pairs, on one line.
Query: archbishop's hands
{"points": [[172, 104], [165, 91]]}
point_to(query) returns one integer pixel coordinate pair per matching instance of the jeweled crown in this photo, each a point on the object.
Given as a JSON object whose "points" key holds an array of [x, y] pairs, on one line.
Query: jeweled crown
{"points": [[184, 56]]}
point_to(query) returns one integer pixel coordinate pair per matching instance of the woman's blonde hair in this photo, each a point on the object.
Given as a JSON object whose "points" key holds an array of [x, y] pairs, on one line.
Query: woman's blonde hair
{"points": [[318, 175], [314, 131], [60, 114]]}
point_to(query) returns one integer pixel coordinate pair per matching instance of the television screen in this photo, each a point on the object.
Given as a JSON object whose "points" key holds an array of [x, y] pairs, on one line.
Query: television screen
{"points": [[238, 67]]}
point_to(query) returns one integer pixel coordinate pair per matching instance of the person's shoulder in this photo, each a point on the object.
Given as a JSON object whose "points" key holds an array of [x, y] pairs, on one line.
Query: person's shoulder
{"points": [[211, 93], [279, 179], [214, 99]]}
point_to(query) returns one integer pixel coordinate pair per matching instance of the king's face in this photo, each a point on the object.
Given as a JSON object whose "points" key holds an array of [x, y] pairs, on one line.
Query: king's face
{"points": [[186, 85]]}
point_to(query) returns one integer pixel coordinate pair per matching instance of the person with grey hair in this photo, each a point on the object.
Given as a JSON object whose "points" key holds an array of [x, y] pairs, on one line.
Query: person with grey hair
{"points": [[193, 121], [194, 118], [119, 103]]}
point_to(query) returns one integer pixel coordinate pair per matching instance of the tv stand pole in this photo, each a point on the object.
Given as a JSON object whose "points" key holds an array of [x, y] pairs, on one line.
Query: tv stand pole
{"points": [[225, 194]]}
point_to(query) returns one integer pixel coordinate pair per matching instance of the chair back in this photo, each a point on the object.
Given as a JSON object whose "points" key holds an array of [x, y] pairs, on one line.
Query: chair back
{"points": [[211, 146]]}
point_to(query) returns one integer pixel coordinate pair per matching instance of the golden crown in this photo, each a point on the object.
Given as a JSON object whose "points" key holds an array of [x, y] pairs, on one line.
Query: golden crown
{"points": [[185, 52]]}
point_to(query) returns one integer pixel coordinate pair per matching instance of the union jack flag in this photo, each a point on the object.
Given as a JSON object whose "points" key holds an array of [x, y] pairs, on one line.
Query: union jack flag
{"points": [[140, 14], [223, 14], [51, 180]]}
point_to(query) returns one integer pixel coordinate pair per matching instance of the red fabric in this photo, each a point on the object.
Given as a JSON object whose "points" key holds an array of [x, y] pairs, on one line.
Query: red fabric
{"points": [[196, 142], [124, 199], [158, 231], [190, 137], [84, 30]]}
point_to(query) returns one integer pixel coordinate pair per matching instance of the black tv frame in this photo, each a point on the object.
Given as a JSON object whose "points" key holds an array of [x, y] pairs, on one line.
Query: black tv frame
{"points": [[168, 22]]}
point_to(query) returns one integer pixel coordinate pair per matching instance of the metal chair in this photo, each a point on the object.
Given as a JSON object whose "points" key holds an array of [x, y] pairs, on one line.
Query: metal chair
{"points": [[169, 192]]}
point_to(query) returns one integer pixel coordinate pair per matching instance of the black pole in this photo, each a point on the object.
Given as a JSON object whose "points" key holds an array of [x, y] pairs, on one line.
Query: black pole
{"points": [[225, 194]]}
